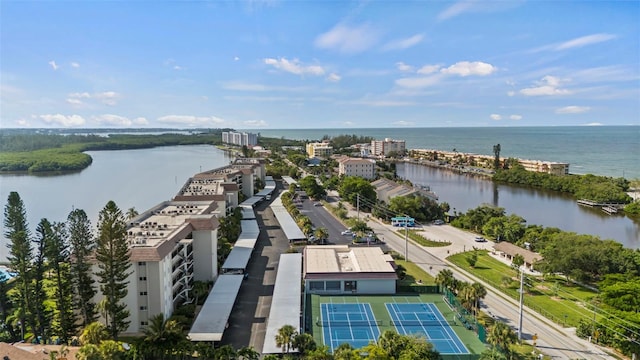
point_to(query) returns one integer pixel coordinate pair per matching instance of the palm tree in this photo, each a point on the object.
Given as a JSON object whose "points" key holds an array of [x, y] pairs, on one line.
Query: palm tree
{"points": [[131, 213], [225, 352], [284, 337], [501, 336], [479, 293], [163, 335], [445, 278], [248, 353], [321, 234], [304, 343], [94, 333]]}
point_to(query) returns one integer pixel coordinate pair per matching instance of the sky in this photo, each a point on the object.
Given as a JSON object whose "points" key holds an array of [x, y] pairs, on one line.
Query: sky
{"points": [[318, 64]]}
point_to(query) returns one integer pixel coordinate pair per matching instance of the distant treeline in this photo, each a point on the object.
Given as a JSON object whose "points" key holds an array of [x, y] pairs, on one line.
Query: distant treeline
{"points": [[596, 188], [52, 153]]}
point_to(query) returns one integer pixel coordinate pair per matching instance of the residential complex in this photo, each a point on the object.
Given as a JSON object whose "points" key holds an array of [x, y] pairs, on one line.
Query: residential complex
{"points": [[387, 146], [321, 150], [486, 161], [363, 168], [387, 189], [240, 138], [175, 243]]}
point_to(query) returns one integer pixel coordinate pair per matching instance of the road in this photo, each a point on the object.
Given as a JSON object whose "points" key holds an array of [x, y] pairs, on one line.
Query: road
{"points": [[553, 340]]}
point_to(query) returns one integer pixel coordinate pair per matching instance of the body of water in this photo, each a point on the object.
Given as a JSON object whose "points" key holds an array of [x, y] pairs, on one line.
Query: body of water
{"points": [[599, 150], [132, 178], [538, 207]]}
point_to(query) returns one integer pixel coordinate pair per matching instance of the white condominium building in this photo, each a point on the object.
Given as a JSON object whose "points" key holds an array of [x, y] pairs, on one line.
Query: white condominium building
{"points": [[357, 167], [239, 138], [322, 150], [386, 146]]}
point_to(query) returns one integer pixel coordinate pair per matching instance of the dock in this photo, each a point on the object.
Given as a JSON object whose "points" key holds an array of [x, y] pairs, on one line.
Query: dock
{"points": [[609, 208]]}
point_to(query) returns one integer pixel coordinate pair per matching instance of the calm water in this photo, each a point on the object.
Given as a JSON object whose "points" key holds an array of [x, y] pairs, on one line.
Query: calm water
{"points": [[600, 150], [549, 209], [131, 178]]}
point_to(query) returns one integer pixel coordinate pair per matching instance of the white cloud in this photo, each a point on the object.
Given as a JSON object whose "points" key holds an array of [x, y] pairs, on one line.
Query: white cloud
{"points": [[466, 68], [401, 44], [572, 109], [82, 95], [255, 123], [495, 117], [190, 120], [515, 117], [75, 65], [511, 93], [594, 124], [294, 66], [333, 77], [235, 58], [548, 86], [73, 101], [53, 65], [402, 123], [244, 86], [178, 67], [348, 40], [112, 120], [382, 103], [428, 69], [455, 10], [419, 82], [584, 41], [108, 97], [62, 120], [403, 67], [140, 121]]}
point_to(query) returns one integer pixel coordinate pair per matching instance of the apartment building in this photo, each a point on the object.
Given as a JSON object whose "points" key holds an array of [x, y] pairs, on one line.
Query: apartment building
{"points": [[357, 167], [175, 243], [387, 146], [239, 138], [320, 150]]}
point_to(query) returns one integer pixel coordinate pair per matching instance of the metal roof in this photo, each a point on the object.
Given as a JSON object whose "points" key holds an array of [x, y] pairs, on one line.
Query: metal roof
{"points": [[241, 252], [288, 225], [214, 315], [247, 212], [286, 301], [289, 180], [252, 201]]}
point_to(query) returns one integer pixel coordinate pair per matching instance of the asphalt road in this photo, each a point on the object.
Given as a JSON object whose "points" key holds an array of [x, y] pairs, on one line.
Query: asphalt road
{"points": [[552, 340]]}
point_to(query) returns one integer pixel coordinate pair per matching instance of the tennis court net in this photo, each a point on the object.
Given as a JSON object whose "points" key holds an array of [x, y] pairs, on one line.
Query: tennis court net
{"points": [[419, 322], [349, 323]]}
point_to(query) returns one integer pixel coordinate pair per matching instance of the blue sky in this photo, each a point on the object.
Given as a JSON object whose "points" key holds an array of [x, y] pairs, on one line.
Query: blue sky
{"points": [[319, 64]]}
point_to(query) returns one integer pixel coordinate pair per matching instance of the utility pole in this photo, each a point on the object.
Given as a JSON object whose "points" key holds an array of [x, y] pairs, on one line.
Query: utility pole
{"points": [[406, 242], [358, 204], [521, 304]]}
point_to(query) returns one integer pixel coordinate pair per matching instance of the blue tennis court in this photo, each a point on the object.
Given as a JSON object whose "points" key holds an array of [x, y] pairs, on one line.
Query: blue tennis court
{"points": [[351, 323], [426, 320]]}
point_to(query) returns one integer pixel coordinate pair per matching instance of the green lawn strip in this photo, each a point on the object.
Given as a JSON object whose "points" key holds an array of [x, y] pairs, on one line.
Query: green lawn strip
{"points": [[414, 273], [566, 306], [421, 240]]}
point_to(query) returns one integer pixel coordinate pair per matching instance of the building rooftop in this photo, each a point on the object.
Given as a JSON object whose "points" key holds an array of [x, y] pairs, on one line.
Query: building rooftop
{"points": [[343, 259], [152, 234]]}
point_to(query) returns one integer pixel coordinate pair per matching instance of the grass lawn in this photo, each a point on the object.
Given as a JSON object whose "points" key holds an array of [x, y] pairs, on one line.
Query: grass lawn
{"points": [[415, 273], [413, 235], [562, 302]]}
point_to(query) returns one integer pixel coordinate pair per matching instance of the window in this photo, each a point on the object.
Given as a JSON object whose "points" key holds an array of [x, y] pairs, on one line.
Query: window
{"points": [[142, 263], [143, 293], [316, 285], [333, 285], [144, 323], [143, 278], [143, 308]]}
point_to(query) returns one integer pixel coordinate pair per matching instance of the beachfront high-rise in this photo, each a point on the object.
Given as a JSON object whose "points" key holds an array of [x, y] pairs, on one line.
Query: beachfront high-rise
{"points": [[387, 146], [240, 138]]}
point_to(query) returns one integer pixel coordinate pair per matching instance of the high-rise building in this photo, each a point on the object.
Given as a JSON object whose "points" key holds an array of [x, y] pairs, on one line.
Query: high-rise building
{"points": [[386, 146], [322, 149], [239, 138]]}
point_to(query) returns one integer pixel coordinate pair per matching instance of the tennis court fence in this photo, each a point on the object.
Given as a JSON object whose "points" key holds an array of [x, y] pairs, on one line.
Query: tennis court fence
{"points": [[354, 323]]}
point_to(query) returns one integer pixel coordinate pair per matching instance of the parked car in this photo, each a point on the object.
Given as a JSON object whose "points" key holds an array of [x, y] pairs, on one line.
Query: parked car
{"points": [[438, 222], [479, 239], [317, 204], [347, 232]]}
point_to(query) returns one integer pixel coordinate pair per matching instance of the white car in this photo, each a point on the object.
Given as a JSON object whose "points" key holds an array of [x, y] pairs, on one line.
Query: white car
{"points": [[480, 239], [347, 232]]}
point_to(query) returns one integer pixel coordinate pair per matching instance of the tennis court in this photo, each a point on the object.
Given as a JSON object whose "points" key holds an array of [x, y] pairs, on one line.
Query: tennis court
{"points": [[351, 323], [424, 319]]}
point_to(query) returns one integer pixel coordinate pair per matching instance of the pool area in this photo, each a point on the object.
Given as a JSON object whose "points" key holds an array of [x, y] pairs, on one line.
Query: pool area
{"points": [[5, 273]]}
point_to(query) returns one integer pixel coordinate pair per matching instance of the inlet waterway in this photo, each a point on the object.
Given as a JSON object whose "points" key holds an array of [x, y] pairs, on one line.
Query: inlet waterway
{"points": [[132, 178], [143, 178], [539, 207]]}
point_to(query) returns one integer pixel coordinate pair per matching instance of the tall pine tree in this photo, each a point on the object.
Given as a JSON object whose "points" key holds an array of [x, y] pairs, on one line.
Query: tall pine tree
{"points": [[57, 251], [20, 257], [112, 255], [40, 268], [82, 244]]}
